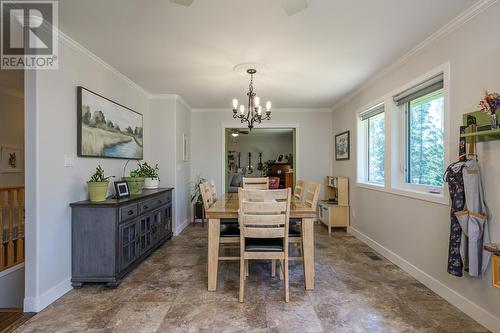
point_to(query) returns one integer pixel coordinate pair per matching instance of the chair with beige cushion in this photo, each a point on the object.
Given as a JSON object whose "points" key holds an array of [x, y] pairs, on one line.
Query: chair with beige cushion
{"points": [[310, 198], [229, 228], [263, 217], [298, 190], [257, 183]]}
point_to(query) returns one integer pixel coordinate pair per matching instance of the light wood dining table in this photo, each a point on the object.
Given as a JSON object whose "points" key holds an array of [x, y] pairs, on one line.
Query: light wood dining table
{"points": [[227, 207]]}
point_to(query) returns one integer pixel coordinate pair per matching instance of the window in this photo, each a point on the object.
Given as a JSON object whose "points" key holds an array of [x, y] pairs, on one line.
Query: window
{"points": [[373, 128], [423, 108]]}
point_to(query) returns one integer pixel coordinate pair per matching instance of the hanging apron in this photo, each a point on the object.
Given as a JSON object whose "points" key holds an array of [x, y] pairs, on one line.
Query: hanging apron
{"points": [[474, 220], [453, 176]]}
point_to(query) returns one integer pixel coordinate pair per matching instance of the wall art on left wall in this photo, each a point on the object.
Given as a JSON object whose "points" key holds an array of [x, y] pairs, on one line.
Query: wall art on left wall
{"points": [[11, 158], [107, 129]]}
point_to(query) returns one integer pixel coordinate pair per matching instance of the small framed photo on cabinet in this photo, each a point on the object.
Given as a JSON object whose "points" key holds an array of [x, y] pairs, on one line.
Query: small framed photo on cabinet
{"points": [[121, 190]]}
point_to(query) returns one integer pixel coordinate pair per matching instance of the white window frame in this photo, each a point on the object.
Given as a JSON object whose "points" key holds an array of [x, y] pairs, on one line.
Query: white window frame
{"points": [[395, 144], [363, 144], [399, 183]]}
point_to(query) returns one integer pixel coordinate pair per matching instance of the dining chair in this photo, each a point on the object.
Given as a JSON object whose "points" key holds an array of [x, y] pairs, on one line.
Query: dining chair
{"points": [[229, 228], [257, 183], [263, 217], [213, 189], [299, 189], [311, 198]]}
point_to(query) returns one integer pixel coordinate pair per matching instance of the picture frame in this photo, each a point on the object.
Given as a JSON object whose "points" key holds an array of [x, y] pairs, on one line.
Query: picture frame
{"points": [[11, 159], [107, 129], [121, 189], [185, 147], [343, 146]]}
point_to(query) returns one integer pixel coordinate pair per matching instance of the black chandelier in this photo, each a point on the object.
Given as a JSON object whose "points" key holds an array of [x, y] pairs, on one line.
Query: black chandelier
{"points": [[253, 113]]}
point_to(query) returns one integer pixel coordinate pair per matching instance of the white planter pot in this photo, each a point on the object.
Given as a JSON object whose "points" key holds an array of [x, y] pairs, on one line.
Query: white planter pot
{"points": [[151, 183]]}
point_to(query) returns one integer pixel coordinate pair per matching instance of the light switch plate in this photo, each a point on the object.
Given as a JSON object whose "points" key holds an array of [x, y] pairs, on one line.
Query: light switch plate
{"points": [[69, 161]]}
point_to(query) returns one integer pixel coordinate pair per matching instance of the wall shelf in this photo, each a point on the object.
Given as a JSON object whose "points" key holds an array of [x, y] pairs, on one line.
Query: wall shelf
{"points": [[483, 133]]}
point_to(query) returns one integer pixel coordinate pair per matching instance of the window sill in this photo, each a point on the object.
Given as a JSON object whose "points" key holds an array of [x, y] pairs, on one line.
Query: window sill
{"points": [[441, 199]]}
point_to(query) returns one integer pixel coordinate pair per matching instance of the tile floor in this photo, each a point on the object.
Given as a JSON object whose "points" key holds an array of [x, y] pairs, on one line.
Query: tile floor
{"points": [[167, 293]]}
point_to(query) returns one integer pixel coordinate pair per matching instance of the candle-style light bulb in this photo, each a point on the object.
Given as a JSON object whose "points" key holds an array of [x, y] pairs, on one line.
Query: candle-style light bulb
{"points": [[235, 104], [268, 106], [242, 109], [256, 101], [259, 110]]}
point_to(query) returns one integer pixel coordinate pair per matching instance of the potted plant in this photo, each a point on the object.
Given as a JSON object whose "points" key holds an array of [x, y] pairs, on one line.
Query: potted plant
{"points": [[98, 185], [196, 197], [135, 182], [150, 174]]}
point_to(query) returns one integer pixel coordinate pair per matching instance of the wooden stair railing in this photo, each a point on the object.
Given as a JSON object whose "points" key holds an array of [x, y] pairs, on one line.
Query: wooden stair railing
{"points": [[11, 216]]}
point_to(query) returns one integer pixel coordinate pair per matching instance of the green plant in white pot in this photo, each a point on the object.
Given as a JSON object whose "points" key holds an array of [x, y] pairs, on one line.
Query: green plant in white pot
{"points": [[135, 182], [150, 174], [98, 185]]}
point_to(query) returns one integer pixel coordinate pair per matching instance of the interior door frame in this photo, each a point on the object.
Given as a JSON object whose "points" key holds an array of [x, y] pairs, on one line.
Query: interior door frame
{"points": [[223, 156]]}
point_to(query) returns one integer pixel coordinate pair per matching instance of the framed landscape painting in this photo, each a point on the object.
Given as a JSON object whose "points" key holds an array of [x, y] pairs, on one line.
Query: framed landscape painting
{"points": [[342, 146], [107, 129]]}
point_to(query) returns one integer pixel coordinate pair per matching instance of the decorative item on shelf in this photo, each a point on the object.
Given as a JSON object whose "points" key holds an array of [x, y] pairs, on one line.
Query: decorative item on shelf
{"points": [[150, 174], [98, 185], [196, 197], [121, 189], [253, 114], [342, 146], [135, 182], [266, 167], [489, 104]]}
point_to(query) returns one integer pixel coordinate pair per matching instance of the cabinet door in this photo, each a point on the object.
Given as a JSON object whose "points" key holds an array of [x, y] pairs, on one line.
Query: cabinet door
{"points": [[167, 220], [128, 243], [145, 236], [156, 227]]}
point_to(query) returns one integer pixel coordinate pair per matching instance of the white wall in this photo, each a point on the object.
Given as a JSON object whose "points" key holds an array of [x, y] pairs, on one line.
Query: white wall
{"points": [[417, 231], [12, 287], [51, 133], [11, 131], [314, 142], [170, 119]]}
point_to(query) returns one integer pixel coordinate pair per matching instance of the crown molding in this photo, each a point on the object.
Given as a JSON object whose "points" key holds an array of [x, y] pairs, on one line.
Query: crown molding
{"points": [[68, 41], [175, 97], [444, 31], [273, 110]]}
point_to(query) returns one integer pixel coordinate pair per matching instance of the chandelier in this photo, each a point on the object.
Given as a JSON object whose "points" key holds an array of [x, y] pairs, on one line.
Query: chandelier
{"points": [[253, 113]]}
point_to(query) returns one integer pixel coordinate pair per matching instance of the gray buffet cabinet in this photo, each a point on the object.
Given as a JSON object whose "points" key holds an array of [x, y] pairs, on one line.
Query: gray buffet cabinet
{"points": [[110, 238]]}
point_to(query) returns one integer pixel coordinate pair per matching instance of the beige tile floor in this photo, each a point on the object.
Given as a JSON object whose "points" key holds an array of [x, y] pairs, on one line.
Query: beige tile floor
{"points": [[168, 293]]}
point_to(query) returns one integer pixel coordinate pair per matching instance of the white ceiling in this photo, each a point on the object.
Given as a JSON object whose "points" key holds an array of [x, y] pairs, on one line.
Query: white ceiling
{"points": [[313, 58]]}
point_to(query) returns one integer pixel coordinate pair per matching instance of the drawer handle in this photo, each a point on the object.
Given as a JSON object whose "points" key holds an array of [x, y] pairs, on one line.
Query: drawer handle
{"points": [[160, 201], [130, 212], [145, 207]]}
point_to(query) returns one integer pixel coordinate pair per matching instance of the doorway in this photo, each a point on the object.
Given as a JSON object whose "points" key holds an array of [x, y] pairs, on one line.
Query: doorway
{"points": [[262, 152], [12, 194]]}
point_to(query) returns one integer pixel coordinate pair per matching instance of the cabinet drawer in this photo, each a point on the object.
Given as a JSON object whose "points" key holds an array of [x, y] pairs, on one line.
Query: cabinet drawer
{"points": [[153, 203], [128, 212]]}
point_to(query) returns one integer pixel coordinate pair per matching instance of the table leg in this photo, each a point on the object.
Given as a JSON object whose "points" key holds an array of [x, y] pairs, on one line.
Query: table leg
{"points": [[308, 245], [213, 252]]}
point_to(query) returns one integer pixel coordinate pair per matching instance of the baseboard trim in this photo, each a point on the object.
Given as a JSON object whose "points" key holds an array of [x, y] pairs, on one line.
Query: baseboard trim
{"points": [[37, 304], [473, 310], [182, 226]]}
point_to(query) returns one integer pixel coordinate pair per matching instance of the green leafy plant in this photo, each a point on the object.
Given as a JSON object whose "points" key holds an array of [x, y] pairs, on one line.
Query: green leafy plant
{"points": [[195, 190], [148, 171], [136, 173], [98, 176]]}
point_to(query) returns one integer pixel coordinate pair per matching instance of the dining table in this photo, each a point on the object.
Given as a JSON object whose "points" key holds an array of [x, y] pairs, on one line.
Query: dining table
{"points": [[226, 207]]}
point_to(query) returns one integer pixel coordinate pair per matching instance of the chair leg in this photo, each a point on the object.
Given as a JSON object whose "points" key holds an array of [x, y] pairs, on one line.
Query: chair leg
{"points": [[287, 291], [273, 268], [281, 270], [242, 279], [247, 270]]}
